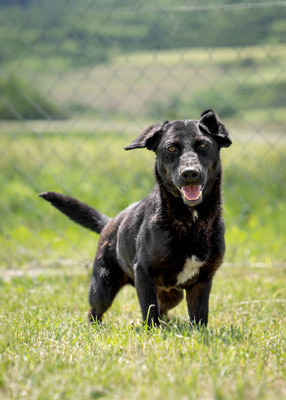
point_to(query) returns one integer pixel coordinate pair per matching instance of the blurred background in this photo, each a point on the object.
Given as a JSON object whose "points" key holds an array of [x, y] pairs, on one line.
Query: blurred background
{"points": [[80, 79]]}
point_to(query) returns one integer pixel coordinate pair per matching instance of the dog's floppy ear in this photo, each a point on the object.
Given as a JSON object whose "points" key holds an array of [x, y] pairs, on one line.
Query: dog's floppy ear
{"points": [[210, 124], [148, 138]]}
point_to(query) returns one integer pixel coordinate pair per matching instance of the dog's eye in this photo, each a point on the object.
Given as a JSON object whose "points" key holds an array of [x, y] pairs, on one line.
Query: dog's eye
{"points": [[203, 146], [172, 149]]}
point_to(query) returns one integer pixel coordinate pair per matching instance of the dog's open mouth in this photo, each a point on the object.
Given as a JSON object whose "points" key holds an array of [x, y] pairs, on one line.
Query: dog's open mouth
{"points": [[192, 194]]}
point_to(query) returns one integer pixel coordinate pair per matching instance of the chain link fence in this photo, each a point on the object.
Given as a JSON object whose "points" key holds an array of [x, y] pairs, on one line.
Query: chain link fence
{"points": [[80, 79]]}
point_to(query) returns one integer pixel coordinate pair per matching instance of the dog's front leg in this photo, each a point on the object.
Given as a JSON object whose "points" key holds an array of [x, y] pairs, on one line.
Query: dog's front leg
{"points": [[198, 302], [146, 291]]}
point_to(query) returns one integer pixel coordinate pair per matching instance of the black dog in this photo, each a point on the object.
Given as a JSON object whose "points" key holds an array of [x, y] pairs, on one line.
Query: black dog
{"points": [[171, 240]]}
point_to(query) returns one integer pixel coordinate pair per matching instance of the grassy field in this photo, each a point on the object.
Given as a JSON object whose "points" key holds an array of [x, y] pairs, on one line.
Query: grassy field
{"points": [[47, 350], [235, 81], [247, 82]]}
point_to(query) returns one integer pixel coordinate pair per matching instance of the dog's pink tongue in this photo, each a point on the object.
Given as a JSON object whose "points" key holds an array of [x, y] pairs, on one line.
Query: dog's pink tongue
{"points": [[192, 192]]}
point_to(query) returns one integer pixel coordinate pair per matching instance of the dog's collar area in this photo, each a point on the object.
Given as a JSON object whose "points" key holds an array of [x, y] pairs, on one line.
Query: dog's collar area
{"points": [[192, 194]]}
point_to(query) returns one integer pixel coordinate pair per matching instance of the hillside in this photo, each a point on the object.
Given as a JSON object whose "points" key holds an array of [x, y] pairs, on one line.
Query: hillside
{"points": [[90, 32]]}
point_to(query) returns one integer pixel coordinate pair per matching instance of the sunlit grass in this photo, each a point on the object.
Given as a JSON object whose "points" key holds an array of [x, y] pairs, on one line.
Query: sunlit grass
{"points": [[48, 351], [198, 56]]}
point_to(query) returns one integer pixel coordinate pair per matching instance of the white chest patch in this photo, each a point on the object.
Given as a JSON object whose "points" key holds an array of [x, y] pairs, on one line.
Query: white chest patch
{"points": [[195, 216], [191, 268]]}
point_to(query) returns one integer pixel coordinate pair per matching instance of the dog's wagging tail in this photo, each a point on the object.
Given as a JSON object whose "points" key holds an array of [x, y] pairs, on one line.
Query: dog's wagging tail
{"points": [[77, 211], [171, 241]]}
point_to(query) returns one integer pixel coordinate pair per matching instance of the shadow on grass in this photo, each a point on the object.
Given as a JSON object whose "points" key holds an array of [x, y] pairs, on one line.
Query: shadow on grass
{"points": [[182, 329]]}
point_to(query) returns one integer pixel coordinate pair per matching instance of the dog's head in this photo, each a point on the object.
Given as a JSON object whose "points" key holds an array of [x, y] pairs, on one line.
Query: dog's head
{"points": [[187, 153]]}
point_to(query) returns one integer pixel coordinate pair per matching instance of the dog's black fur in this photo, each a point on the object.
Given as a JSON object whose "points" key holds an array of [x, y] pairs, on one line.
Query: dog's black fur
{"points": [[173, 239]]}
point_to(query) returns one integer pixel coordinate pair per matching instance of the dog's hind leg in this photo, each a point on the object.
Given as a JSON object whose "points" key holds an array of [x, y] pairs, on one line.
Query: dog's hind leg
{"points": [[168, 299], [104, 286]]}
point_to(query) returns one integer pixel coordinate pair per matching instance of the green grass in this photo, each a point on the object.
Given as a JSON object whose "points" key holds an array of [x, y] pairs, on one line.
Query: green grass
{"points": [[48, 351]]}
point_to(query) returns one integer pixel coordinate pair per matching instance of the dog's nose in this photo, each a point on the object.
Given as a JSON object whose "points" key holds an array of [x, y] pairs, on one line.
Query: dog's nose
{"points": [[190, 174]]}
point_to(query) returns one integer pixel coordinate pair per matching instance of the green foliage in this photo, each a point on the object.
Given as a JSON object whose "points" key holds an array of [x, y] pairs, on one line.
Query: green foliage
{"points": [[247, 96], [177, 105], [20, 100], [237, 82], [234, 82], [90, 32]]}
